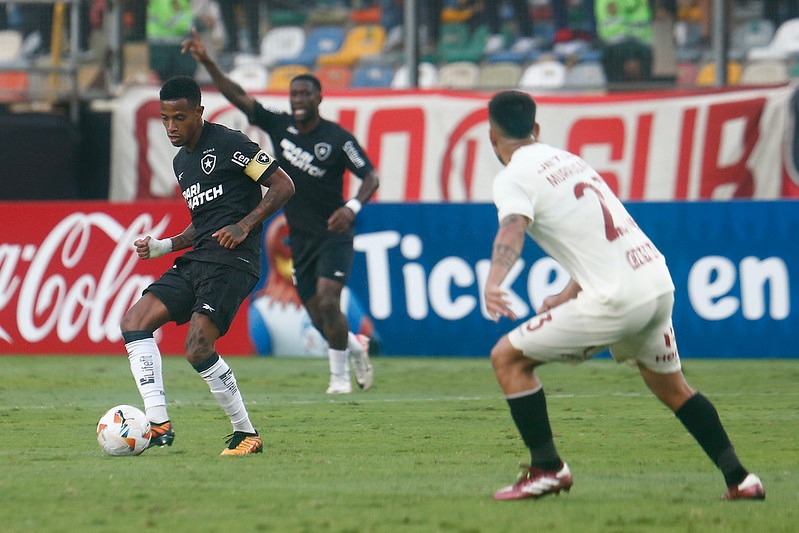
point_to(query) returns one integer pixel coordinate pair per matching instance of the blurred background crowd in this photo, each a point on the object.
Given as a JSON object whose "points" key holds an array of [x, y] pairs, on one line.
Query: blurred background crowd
{"points": [[83, 49]]}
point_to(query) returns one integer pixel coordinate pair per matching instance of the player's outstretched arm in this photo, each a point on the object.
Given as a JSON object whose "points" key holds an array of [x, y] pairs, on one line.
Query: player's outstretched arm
{"points": [[280, 189], [229, 88], [507, 249]]}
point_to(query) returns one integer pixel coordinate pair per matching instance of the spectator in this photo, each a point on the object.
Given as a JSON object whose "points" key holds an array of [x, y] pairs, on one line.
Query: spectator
{"points": [[251, 9], [168, 23], [496, 42], [778, 11], [560, 18], [393, 14], [625, 30], [36, 23]]}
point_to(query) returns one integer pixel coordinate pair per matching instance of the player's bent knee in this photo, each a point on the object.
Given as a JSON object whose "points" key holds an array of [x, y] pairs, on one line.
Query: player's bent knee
{"points": [[504, 355]]}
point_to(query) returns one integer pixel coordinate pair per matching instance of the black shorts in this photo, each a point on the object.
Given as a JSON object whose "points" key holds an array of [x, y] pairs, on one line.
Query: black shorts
{"points": [[320, 256], [211, 289]]}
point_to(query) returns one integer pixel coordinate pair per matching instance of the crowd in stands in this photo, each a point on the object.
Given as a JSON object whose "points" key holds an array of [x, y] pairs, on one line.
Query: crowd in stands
{"points": [[466, 44]]}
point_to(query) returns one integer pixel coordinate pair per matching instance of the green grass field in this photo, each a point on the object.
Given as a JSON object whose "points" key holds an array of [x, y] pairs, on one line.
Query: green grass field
{"points": [[423, 451]]}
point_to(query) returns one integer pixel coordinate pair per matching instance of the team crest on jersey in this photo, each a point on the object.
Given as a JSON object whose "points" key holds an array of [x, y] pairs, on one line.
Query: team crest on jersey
{"points": [[208, 163], [322, 151]]}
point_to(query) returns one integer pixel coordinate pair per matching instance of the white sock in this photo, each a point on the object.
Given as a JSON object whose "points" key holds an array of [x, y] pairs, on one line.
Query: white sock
{"points": [[353, 344], [145, 365], [339, 363], [223, 386]]}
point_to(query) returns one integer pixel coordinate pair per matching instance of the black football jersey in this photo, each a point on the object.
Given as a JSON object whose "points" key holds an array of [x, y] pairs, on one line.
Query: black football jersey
{"points": [[316, 162], [218, 192]]}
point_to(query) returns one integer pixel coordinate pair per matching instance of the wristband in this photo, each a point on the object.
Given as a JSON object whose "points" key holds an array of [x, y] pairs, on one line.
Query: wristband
{"points": [[159, 247], [354, 205]]}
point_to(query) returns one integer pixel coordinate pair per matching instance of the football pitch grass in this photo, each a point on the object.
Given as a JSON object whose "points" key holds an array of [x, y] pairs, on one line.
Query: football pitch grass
{"points": [[423, 451]]}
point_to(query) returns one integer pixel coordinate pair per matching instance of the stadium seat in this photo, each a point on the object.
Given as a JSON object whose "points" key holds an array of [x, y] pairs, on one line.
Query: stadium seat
{"points": [[784, 44], [13, 86], [334, 77], [452, 37], [686, 73], [282, 43], [366, 15], [688, 41], [506, 56], [765, 72], [281, 77], [325, 13], [10, 46], [587, 75], [360, 41], [459, 75], [372, 76], [251, 75], [321, 40], [472, 50], [543, 75], [498, 76], [706, 77], [750, 34], [427, 77], [287, 17]]}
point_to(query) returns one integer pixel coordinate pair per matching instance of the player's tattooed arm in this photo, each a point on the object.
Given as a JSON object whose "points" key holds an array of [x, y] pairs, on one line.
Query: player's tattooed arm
{"points": [[185, 239], [509, 241], [508, 245], [280, 189], [150, 248]]}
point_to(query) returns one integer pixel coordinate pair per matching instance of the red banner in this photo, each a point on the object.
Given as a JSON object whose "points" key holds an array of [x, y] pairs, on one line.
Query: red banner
{"points": [[434, 146], [69, 272]]}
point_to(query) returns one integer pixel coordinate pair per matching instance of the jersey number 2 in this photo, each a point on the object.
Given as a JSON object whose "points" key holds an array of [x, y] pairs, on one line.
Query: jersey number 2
{"points": [[611, 231]]}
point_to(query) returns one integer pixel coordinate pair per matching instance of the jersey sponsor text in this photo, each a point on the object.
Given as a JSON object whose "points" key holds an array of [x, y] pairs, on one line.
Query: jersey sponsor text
{"points": [[195, 196], [300, 159]]}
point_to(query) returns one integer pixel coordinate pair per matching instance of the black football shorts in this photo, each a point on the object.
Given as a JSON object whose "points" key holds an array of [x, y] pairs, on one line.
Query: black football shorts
{"points": [[320, 256], [212, 289]]}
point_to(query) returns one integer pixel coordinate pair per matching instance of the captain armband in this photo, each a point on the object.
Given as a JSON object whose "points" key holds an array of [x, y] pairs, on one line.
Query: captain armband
{"points": [[262, 164]]}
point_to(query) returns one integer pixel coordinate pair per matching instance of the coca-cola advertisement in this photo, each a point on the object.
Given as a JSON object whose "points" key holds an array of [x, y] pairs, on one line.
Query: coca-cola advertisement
{"points": [[69, 272]]}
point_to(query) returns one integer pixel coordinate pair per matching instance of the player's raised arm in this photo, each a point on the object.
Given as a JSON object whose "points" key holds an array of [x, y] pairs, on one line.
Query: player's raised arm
{"points": [[229, 88]]}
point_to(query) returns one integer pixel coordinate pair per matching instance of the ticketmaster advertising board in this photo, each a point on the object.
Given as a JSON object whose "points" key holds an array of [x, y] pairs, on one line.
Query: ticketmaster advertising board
{"points": [[416, 284], [420, 268]]}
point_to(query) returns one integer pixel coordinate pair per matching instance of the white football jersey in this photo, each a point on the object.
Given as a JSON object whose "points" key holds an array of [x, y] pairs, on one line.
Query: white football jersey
{"points": [[579, 222]]}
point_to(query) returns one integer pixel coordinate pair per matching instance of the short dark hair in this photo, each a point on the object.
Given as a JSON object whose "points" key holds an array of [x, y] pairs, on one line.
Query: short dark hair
{"points": [[309, 78], [514, 112], [180, 87]]}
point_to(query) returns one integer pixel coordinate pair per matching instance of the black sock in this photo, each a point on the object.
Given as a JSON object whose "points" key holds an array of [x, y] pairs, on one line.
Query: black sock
{"points": [[701, 419], [207, 363], [132, 336], [529, 412]]}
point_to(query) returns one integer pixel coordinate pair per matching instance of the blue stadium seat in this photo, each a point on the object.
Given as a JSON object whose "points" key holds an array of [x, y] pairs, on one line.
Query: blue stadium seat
{"points": [[321, 40], [372, 76]]}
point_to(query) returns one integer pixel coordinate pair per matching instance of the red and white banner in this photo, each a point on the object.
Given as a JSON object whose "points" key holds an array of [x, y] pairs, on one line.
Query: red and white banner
{"points": [[434, 147], [69, 272]]}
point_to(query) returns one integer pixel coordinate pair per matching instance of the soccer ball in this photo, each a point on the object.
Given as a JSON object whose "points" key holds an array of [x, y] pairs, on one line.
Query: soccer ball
{"points": [[123, 430]]}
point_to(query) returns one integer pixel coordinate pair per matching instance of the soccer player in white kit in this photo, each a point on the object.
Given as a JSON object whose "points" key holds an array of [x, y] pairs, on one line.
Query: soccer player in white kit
{"points": [[620, 296]]}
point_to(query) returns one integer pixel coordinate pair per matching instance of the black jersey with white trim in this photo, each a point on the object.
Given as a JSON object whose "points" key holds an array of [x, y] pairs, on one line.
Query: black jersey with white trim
{"points": [[217, 179], [316, 161]]}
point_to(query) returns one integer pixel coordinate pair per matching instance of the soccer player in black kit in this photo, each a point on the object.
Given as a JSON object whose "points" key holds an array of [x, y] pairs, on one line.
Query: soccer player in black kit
{"points": [[316, 152], [220, 172]]}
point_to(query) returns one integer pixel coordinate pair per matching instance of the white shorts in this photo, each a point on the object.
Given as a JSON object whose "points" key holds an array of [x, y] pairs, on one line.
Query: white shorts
{"points": [[578, 329]]}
